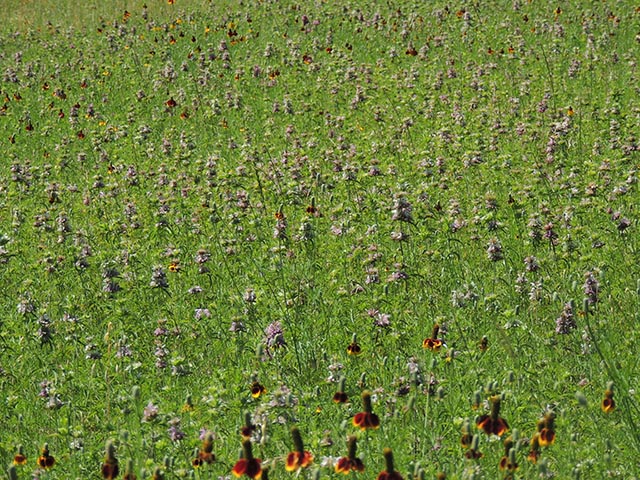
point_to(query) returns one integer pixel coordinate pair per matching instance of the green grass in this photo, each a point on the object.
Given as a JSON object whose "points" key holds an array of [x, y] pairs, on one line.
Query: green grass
{"points": [[329, 169]]}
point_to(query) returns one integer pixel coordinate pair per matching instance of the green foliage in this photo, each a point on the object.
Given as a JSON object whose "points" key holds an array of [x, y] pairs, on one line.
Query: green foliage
{"points": [[204, 205]]}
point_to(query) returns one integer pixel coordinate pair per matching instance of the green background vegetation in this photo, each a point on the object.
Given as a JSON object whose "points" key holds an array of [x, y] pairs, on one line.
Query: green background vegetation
{"points": [[416, 156]]}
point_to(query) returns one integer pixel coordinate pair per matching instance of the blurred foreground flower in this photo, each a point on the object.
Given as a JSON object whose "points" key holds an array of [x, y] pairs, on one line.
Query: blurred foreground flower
{"points": [[299, 458], [350, 462], [247, 465], [110, 468], [389, 472]]}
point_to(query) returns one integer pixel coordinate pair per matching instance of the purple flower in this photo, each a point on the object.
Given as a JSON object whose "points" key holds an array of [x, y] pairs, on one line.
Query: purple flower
{"points": [[26, 305], [336, 230], [150, 412], [274, 336], [202, 313], [158, 278], [175, 434], [236, 326], [402, 210], [44, 389], [124, 351], [249, 296], [550, 234], [109, 286], [413, 366], [591, 288], [531, 264], [494, 250], [160, 332], [398, 275], [566, 321], [382, 320], [204, 433], [202, 256], [161, 354]]}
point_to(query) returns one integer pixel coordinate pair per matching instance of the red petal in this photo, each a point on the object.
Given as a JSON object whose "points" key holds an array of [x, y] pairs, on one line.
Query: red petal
{"points": [[359, 420], [239, 468]]}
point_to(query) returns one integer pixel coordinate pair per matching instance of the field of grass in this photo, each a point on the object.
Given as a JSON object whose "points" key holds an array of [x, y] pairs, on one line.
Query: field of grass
{"points": [[227, 228]]}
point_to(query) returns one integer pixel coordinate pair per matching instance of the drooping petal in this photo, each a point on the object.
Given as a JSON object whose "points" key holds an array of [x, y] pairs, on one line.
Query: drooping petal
{"points": [[340, 397], [373, 421], [254, 469], [546, 437], [384, 475], [357, 465], [239, 468], [491, 426], [608, 404], [359, 420], [343, 465], [296, 460]]}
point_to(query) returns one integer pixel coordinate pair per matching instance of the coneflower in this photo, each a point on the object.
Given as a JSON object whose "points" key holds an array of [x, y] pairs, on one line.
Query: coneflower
{"points": [[247, 465], [389, 472], [46, 460], [366, 419], [493, 424], [298, 458], [350, 462], [110, 468]]}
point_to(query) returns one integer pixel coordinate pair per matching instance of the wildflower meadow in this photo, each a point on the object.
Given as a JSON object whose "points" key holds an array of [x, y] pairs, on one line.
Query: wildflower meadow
{"points": [[268, 238]]}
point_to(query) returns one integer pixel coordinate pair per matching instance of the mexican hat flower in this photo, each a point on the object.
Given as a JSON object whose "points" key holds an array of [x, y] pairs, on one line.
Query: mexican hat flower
{"points": [[298, 458], [247, 465]]}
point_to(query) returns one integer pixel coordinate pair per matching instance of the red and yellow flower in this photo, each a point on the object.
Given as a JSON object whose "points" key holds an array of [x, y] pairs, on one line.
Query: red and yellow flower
{"points": [[608, 404], [257, 389], [299, 458], [546, 429], [433, 343], [534, 449], [493, 424], [389, 472], [247, 465], [340, 396], [366, 419], [508, 461], [350, 462], [474, 453], [46, 460], [205, 454], [248, 428], [20, 458], [354, 348]]}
